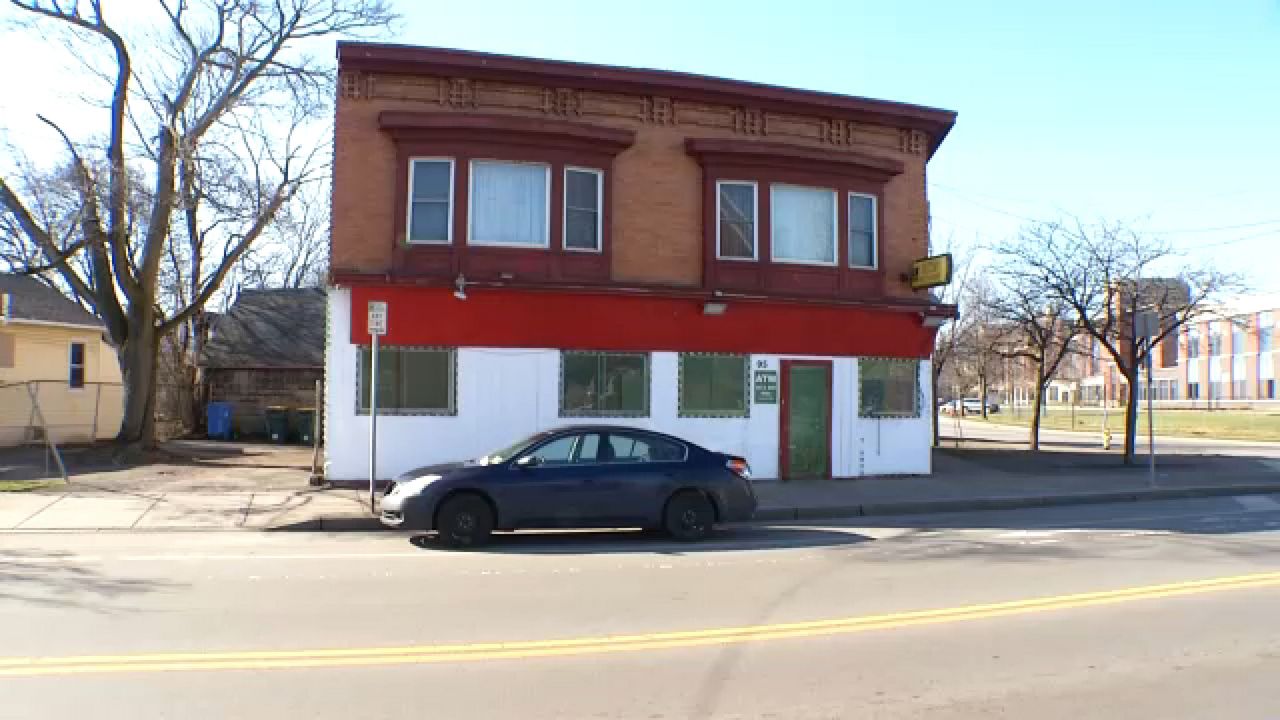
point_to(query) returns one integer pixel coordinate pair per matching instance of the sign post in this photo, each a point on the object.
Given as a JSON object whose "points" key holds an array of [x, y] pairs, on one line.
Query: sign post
{"points": [[1146, 324], [377, 328]]}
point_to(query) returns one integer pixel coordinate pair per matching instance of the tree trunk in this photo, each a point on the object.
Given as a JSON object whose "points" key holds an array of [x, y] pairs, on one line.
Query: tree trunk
{"points": [[138, 358], [1131, 419], [982, 394], [1036, 400]]}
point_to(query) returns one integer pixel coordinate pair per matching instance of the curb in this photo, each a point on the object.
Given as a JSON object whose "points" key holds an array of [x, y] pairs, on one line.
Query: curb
{"points": [[925, 507], [369, 523]]}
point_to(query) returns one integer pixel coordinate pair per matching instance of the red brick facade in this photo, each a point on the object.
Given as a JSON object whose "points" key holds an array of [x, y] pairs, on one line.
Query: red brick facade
{"points": [[656, 234]]}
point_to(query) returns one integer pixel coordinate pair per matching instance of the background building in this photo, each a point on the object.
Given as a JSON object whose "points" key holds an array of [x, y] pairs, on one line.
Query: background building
{"points": [[53, 356], [267, 350]]}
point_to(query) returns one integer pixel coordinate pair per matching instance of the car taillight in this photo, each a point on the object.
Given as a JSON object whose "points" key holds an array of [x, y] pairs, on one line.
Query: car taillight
{"points": [[739, 467]]}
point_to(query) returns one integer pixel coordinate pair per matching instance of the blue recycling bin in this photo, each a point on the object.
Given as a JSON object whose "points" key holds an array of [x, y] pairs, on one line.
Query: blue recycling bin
{"points": [[220, 420]]}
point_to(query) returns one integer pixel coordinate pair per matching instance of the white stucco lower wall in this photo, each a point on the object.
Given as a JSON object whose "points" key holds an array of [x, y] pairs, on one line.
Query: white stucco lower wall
{"points": [[503, 394]]}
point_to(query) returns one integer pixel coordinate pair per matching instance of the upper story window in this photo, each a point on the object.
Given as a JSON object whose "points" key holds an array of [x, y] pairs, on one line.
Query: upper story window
{"points": [[736, 220], [788, 220], [1215, 340], [862, 231], [1237, 336], [583, 201], [430, 200], [525, 198], [803, 224], [1193, 344], [1266, 332], [510, 204]]}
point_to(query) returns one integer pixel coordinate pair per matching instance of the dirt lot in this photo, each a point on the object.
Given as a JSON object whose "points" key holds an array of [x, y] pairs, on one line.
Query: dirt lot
{"points": [[177, 466]]}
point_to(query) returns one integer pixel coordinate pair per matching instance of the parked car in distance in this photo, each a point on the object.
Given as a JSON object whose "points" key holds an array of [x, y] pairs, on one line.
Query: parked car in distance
{"points": [[970, 406], [580, 476], [973, 406]]}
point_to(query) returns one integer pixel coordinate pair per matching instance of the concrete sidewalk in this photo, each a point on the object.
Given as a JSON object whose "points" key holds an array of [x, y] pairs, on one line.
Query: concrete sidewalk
{"points": [[312, 509], [342, 509]]}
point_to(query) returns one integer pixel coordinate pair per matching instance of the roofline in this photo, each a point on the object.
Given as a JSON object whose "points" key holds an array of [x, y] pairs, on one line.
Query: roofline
{"points": [[50, 323], [411, 59]]}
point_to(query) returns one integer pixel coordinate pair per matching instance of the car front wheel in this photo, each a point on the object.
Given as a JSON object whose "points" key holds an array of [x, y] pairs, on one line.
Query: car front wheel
{"points": [[689, 516], [464, 521]]}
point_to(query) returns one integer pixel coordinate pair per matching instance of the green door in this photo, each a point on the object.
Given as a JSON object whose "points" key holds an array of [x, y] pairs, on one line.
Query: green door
{"points": [[806, 419]]}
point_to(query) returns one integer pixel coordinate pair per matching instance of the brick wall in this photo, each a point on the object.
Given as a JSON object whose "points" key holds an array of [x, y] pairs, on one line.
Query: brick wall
{"points": [[656, 210]]}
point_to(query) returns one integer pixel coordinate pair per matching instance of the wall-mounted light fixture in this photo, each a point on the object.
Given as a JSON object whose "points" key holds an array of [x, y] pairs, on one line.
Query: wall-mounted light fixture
{"points": [[714, 308], [461, 285], [934, 321]]}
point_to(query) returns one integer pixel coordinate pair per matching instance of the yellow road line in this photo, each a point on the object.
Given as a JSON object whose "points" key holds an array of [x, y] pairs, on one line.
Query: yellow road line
{"points": [[470, 652]]}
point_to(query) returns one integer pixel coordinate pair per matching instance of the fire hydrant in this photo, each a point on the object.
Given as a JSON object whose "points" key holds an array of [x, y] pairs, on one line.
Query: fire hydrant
{"points": [[1106, 439]]}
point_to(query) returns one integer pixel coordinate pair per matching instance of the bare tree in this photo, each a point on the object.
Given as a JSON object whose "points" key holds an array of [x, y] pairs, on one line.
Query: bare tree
{"points": [[207, 122], [948, 340], [982, 344], [1037, 327], [1108, 274]]}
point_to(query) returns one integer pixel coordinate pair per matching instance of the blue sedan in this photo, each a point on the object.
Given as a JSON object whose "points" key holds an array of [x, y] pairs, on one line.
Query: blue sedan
{"points": [[582, 476]]}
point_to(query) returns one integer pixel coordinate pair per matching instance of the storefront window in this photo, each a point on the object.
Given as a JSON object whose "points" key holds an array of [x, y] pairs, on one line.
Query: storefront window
{"points": [[713, 385], [604, 384], [411, 381], [888, 387]]}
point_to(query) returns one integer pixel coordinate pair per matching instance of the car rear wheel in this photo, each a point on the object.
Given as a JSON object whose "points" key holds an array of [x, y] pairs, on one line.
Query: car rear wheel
{"points": [[689, 516], [464, 521]]}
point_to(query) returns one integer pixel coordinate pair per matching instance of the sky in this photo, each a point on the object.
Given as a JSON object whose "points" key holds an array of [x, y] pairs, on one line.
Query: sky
{"points": [[1162, 114]]}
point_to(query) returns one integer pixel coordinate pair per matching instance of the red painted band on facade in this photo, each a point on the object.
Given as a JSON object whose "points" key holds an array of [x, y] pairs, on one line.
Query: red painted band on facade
{"points": [[493, 317]]}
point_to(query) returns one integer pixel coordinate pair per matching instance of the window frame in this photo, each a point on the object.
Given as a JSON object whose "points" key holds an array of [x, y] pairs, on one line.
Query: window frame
{"points": [[408, 211], [564, 208], [451, 411], [755, 220], [471, 203], [919, 400], [773, 223], [72, 366], [721, 414], [875, 230], [593, 413]]}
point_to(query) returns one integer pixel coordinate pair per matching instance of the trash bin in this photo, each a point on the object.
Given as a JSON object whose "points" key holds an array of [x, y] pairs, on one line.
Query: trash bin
{"points": [[304, 425], [219, 420], [278, 423]]}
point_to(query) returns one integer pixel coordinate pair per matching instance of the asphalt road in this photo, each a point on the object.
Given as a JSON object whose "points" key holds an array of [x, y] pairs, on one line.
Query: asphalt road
{"points": [[1138, 610]]}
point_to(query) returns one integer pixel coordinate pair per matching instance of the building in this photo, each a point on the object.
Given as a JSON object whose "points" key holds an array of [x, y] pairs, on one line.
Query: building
{"points": [[267, 350], [57, 372], [721, 260], [1226, 357]]}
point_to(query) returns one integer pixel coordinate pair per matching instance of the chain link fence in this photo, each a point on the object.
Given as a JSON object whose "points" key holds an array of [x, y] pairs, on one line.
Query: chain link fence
{"points": [[39, 411]]}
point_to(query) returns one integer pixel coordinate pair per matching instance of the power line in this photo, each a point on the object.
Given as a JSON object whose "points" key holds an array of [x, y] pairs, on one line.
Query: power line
{"points": [[1216, 229]]}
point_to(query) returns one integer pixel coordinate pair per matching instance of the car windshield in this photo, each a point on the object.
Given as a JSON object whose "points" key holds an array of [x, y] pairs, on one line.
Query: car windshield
{"points": [[510, 451]]}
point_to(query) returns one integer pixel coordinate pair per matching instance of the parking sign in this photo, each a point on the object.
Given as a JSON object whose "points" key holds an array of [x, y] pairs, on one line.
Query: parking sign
{"points": [[377, 318]]}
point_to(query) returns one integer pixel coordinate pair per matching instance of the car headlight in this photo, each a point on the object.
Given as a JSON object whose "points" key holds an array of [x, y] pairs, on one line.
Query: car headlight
{"points": [[414, 486]]}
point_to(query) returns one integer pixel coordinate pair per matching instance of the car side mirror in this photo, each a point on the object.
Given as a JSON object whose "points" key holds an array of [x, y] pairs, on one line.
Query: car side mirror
{"points": [[528, 461]]}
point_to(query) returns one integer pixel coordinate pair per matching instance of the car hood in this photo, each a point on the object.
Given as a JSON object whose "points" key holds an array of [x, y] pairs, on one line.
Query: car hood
{"points": [[440, 469]]}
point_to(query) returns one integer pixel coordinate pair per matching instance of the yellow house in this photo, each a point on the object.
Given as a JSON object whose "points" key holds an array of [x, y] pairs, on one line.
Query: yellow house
{"points": [[57, 372]]}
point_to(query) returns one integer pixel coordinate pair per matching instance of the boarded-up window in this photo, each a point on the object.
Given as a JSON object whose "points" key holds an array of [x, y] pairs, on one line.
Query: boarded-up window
{"points": [[6, 350]]}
